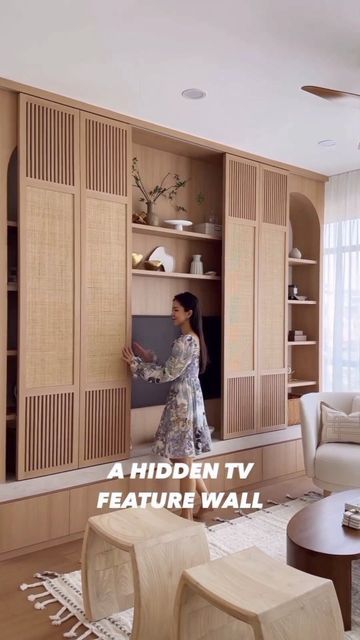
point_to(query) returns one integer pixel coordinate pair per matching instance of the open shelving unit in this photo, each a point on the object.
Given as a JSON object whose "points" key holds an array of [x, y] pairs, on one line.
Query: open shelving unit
{"points": [[172, 233], [303, 315], [153, 291]]}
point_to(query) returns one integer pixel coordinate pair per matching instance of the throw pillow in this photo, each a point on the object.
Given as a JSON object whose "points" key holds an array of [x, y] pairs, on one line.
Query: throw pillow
{"points": [[338, 426], [355, 404]]}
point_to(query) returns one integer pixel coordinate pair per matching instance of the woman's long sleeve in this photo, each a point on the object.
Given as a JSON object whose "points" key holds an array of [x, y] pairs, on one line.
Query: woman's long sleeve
{"points": [[176, 364]]}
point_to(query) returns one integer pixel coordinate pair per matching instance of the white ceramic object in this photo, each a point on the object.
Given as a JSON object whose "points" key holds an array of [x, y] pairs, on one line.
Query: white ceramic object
{"points": [[197, 265], [179, 224], [295, 253], [167, 260]]}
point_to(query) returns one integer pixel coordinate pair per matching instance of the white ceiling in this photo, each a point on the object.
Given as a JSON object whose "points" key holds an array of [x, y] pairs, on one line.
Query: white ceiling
{"points": [[251, 56]]}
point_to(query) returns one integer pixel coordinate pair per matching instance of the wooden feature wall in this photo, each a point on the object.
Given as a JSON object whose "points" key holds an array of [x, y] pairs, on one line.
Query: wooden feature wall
{"points": [[255, 260], [105, 290], [49, 287]]}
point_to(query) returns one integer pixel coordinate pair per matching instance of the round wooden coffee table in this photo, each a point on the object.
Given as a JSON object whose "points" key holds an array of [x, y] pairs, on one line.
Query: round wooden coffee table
{"points": [[317, 543]]}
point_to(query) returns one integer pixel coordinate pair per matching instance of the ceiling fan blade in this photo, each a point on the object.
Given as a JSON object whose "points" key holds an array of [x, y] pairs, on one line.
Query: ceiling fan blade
{"points": [[339, 97]]}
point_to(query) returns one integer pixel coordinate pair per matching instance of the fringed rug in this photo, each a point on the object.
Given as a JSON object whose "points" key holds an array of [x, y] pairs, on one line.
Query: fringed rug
{"points": [[266, 529]]}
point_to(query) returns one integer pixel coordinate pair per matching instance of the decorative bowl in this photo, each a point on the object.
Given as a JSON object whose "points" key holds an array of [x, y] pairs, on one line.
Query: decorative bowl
{"points": [[154, 265], [179, 224]]}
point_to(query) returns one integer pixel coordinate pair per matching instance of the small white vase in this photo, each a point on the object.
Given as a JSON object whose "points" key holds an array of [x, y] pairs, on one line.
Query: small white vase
{"points": [[197, 265]]}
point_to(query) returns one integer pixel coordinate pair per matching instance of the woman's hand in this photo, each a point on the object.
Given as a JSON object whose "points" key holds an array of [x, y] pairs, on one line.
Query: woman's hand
{"points": [[145, 354], [128, 355]]}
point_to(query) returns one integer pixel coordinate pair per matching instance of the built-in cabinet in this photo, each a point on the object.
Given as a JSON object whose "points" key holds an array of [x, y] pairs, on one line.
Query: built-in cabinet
{"points": [[255, 359], [70, 246], [74, 238], [304, 233]]}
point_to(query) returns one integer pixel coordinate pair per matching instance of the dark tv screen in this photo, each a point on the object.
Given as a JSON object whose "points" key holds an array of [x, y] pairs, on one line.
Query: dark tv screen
{"points": [[158, 333]]}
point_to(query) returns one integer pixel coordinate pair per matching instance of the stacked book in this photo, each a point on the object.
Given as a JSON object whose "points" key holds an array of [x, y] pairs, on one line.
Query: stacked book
{"points": [[351, 517], [297, 336]]}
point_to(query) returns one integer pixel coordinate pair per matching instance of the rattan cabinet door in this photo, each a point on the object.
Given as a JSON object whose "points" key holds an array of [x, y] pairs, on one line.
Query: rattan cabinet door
{"points": [[240, 301], [272, 307], [49, 288], [105, 289]]}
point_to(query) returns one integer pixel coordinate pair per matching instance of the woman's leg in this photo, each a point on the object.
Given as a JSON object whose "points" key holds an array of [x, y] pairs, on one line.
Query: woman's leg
{"points": [[201, 486], [187, 485]]}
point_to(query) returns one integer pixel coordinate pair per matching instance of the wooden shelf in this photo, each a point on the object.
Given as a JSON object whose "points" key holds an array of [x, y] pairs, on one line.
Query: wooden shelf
{"points": [[296, 262], [163, 274], [12, 286], [11, 352], [172, 233], [301, 343], [12, 223], [302, 302], [301, 383]]}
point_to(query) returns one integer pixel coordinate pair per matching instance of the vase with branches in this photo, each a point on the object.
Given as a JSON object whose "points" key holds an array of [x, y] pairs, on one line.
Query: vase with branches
{"points": [[168, 188]]}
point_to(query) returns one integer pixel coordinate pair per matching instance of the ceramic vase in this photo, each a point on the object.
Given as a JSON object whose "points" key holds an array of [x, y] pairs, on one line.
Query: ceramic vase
{"points": [[197, 265], [152, 217]]}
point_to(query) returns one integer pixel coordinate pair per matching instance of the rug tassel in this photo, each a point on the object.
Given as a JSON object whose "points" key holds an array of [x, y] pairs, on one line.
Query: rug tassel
{"points": [[33, 596], [289, 497], [59, 613], [46, 574], [58, 621], [42, 605], [71, 633], [272, 502], [25, 586]]}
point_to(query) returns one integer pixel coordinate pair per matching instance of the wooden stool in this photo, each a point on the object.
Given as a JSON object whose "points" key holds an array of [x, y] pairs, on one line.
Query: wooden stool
{"points": [[135, 557], [250, 596]]}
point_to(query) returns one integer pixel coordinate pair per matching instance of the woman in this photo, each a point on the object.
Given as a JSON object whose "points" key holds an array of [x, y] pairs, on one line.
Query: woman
{"points": [[183, 431]]}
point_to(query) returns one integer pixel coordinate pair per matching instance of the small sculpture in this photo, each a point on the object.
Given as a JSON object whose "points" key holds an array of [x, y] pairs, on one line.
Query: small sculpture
{"points": [[136, 259], [295, 253]]}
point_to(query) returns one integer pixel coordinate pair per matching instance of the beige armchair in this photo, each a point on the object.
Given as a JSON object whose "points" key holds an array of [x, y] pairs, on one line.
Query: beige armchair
{"points": [[332, 466]]}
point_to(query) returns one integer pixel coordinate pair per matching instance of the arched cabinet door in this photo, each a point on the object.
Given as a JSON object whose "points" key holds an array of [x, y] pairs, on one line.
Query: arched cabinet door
{"points": [[49, 288], [272, 296], [240, 276], [105, 289]]}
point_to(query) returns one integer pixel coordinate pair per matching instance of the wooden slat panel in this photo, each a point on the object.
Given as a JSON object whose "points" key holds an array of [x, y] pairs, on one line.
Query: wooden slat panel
{"points": [[240, 406], [272, 301], [275, 204], [49, 288], [50, 143], [242, 177], [105, 423], [106, 276], [272, 401], [240, 296], [49, 433], [106, 157], [50, 268]]}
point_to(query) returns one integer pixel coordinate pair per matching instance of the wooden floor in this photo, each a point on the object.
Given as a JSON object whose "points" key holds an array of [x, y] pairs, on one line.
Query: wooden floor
{"points": [[18, 618]]}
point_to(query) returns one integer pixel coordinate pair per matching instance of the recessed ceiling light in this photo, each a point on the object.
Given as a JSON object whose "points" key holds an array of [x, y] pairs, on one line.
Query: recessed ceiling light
{"points": [[327, 143], [193, 94]]}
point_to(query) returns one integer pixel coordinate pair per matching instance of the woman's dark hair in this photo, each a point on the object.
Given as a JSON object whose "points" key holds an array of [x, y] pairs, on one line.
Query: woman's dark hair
{"points": [[189, 302]]}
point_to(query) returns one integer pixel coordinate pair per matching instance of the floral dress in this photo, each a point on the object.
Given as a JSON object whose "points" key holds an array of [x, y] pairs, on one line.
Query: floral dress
{"points": [[183, 430]]}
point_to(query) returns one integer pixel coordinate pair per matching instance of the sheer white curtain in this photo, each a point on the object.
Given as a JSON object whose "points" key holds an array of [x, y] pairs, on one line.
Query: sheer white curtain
{"points": [[341, 284]]}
